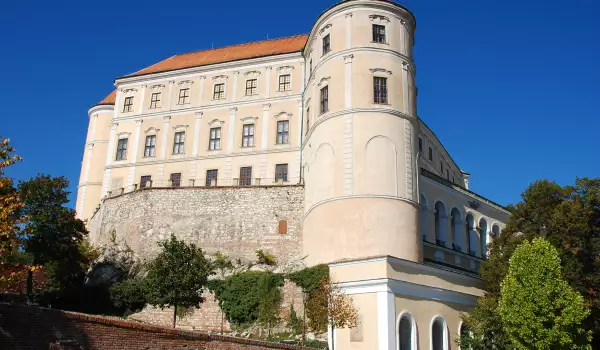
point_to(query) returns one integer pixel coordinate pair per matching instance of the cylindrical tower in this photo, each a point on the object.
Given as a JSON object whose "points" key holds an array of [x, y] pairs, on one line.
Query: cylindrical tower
{"points": [[360, 123]]}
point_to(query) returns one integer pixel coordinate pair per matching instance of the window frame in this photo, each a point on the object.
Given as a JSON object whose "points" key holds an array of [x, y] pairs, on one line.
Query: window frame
{"points": [[248, 139], [324, 99], [378, 35], [122, 151], [214, 141], [430, 154], [252, 90], [245, 176], [326, 44], [209, 172], [150, 149], [155, 103], [380, 91], [285, 84], [283, 135], [185, 97], [171, 178], [144, 179], [128, 104], [281, 174], [215, 92], [179, 144]]}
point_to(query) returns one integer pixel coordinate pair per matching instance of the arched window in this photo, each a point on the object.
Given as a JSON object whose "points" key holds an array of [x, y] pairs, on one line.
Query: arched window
{"points": [[440, 224], [495, 230], [483, 234], [455, 227], [439, 334], [424, 215], [472, 235], [407, 333]]}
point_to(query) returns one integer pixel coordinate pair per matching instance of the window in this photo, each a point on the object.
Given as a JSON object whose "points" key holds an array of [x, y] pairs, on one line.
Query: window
{"points": [[175, 180], [145, 181], [248, 136], [378, 33], [447, 174], [430, 154], [440, 224], [122, 149], [405, 333], [251, 87], [184, 96], [442, 168], [281, 172], [179, 143], [215, 139], [380, 90], [326, 44], [282, 227], [246, 176], [155, 100], [420, 144], [128, 106], [150, 148], [219, 91], [324, 99], [438, 335], [307, 121], [285, 82], [310, 66], [211, 177], [283, 131]]}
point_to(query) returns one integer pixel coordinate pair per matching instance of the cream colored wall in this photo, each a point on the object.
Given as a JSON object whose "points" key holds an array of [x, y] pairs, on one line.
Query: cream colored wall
{"points": [[365, 335], [429, 140]]}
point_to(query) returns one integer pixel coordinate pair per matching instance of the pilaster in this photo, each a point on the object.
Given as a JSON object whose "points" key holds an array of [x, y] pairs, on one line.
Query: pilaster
{"points": [[348, 30], [134, 151], [170, 95], [231, 130], [265, 121], [143, 100], [201, 92], [235, 86], [268, 82]]}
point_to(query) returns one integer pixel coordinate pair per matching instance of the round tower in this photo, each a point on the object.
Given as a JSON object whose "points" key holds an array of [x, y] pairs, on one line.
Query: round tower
{"points": [[360, 122]]}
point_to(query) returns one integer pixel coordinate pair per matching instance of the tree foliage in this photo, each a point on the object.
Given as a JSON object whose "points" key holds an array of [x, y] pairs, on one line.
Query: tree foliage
{"points": [[569, 218], [538, 307], [129, 295], [270, 301], [9, 203], [177, 276]]}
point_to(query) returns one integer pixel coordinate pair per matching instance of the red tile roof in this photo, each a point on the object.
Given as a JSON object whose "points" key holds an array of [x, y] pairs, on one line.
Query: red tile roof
{"points": [[219, 55]]}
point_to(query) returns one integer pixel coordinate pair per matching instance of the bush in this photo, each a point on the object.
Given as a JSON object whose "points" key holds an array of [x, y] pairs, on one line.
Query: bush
{"points": [[309, 279], [129, 295]]}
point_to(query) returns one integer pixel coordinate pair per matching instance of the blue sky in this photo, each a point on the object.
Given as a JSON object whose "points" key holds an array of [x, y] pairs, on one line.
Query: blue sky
{"points": [[510, 87]]}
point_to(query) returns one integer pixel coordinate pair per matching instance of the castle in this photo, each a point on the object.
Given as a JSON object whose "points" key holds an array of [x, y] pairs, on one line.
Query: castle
{"points": [[310, 148]]}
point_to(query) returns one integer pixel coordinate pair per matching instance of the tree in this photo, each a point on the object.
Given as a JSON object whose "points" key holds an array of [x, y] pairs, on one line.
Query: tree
{"points": [[53, 236], [9, 203], [222, 264], [569, 218], [177, 276], [538, 307], [129, 295], [270, 301], [338, 306]]}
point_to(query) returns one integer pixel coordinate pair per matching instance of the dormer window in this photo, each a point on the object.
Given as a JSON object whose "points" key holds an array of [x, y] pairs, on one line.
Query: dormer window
{"points": [[128, 106], [378, 33], [326, 44]]}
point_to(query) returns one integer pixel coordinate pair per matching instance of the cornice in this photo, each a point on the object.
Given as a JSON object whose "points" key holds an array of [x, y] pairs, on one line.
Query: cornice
{"points": [[100, 108]]}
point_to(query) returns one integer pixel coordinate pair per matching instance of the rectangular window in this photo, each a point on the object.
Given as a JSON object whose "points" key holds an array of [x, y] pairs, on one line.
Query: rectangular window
{"points": [[184, 97], [326, 44], [307, 121], [324, 99], [285, 82], [430, 154], [283, 128], [442, 168], [420, 144], [281, 172], [155, 100], [378, 33], [178, 144], [282, 228], [246, 176], [219, 91], [248, 136], [150, 148], [175, 180], [128, 106], [251, 87], [447, 174], [122, 149], [145, 181], [380, 90], [215, 139], [310, 66], [211, 177]]}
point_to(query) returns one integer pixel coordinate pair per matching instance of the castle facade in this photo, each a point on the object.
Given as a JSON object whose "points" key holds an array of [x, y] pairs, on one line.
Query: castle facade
{"points": [[310, 147]]}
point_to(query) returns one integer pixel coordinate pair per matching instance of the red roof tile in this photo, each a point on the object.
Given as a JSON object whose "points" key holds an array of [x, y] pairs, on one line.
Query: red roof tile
{"points": [[110, 99]]}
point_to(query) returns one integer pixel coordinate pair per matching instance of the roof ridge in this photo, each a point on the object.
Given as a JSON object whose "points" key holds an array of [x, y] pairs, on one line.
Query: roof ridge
{"points": [[240, 44]]}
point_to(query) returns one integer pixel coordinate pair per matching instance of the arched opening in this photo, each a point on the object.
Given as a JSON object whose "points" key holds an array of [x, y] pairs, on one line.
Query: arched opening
{"points": [[440, 224], [483, 234], [472, 235], [424, 215], [495, 230], [439, 338], [406, 333], [455, 226]]}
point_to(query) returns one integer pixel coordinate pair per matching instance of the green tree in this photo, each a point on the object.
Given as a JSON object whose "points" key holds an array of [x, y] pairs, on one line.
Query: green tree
{"points": [[177, 276], [53, 236], [569, 218], [129, 295], [538, 307], [270, 301], [294, 323]]}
